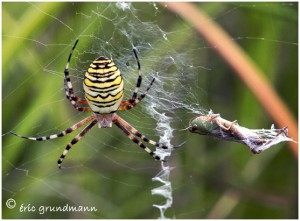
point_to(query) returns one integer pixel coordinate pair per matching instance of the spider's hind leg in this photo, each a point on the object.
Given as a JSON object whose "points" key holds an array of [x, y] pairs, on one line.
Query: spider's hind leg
{"points": [[132, 102], [69, 88]]}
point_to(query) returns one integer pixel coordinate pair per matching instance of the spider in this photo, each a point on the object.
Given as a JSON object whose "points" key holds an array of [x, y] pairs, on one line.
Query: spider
{"points": [[103, 90]]}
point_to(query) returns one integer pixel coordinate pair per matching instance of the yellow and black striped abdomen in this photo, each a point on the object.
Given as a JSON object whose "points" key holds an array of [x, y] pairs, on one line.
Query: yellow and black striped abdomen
{"points": [[103, 86]]}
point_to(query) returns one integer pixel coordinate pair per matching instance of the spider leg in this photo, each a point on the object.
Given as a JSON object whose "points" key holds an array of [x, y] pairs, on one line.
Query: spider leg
{"points": [[69, 88], [139, 81], [75, 98], [127, 132], [134, 100], [61, 134], [139, 134], [74, 141], [129, 104]]}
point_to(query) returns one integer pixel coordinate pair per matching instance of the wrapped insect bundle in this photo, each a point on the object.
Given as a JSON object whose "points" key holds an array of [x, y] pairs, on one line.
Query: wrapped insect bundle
{"points": [[257, 140]]}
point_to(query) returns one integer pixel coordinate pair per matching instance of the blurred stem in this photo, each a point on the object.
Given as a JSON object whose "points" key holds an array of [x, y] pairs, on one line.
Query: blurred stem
{"points": [[251, 75]]}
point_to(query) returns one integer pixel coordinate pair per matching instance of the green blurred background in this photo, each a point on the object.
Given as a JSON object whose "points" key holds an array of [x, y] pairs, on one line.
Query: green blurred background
{"points": [[211, 178]]}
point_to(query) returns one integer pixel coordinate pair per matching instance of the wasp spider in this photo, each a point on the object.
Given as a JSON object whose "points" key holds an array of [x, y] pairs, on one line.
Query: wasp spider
{"points": [[103, 90]]}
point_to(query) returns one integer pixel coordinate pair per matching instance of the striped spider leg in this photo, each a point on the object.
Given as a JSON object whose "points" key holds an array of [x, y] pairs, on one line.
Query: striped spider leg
{"points": [[65, 132], [69, 88], [134, 100], [133, 133], [103, 90]]}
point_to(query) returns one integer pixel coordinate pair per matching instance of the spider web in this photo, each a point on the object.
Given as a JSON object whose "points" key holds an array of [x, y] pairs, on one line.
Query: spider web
{"points": [[105, 170]]}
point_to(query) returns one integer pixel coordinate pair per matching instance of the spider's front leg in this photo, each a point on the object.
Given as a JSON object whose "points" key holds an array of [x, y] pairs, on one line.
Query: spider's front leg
{"points": [[134, 131], [132, 134], [135, 140], [74, 141], [61, 134]]}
